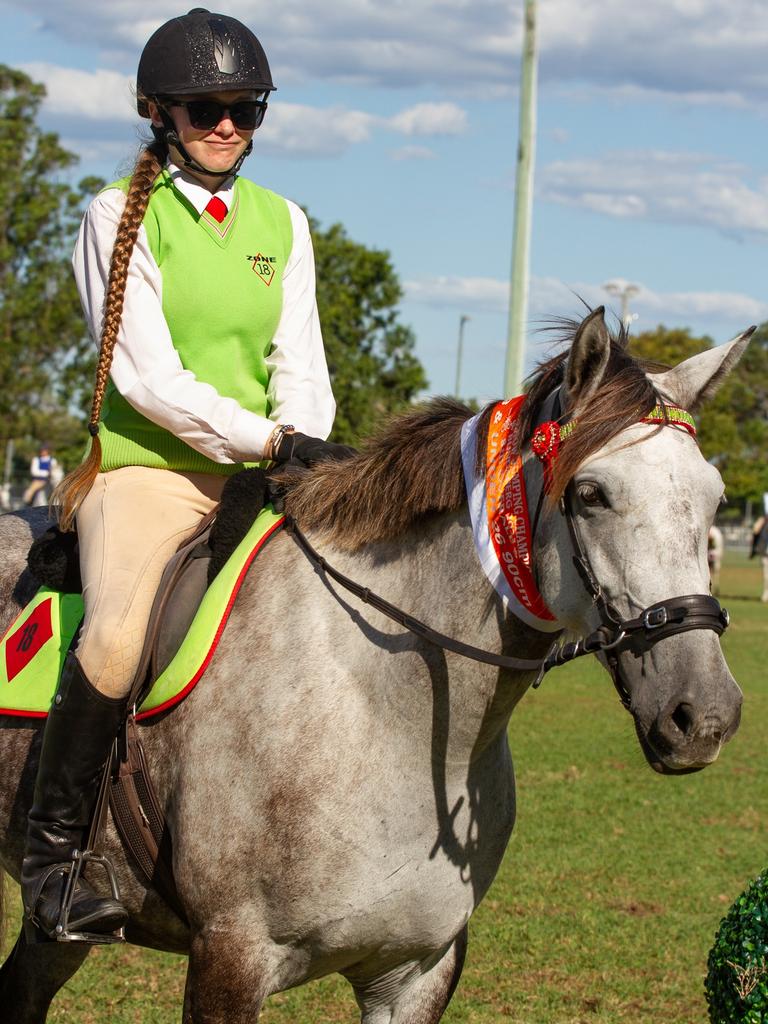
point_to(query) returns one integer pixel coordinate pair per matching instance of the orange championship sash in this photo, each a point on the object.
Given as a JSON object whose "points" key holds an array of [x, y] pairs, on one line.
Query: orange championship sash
{"points": [[498, 505], [498, 508]]}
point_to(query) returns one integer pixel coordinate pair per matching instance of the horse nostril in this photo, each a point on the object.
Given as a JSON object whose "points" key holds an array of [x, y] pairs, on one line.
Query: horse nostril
{"points": [[683, 718]]}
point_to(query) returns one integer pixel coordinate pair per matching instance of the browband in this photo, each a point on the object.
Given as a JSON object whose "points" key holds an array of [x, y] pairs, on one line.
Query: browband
{"points": [[547, 437]]}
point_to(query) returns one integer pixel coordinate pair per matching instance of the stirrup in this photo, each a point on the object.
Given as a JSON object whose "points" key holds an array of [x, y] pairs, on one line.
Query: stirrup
{"points": [[33, 933]]}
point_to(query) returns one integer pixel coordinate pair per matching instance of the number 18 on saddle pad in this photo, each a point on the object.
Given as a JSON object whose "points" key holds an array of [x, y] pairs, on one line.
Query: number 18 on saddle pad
{"points": [[34, 649]]}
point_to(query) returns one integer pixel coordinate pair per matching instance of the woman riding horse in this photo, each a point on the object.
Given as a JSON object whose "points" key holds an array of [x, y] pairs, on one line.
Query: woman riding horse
{"points": [[200, 287]]}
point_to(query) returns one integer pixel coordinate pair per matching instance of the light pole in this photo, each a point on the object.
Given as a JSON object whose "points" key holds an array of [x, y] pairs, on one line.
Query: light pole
{"points": [[625, 292], [462, 321], [521, 242], [5, 490]]}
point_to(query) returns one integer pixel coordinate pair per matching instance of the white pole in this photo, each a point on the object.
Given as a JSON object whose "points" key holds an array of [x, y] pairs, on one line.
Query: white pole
{"points": [[5, 490], [462, 322], [521, 242]]}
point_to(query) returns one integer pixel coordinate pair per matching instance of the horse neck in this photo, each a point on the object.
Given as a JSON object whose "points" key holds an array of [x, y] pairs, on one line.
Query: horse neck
{"points": [[434, 574]]}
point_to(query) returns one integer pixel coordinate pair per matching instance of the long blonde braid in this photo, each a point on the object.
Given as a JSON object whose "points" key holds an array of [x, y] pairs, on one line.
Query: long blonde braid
{"points": [[68, 496]]}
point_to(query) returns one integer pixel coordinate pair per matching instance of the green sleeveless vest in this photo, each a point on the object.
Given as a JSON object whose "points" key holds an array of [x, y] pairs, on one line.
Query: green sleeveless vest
{"points": [[222, 300]]}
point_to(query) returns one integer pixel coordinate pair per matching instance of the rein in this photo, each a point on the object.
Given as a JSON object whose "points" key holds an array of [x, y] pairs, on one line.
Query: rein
{"points": [[412, 624], [612, 637]]}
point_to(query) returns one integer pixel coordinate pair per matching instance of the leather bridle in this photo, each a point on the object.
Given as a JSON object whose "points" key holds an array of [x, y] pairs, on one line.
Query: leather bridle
{"points": [[638, 635], [614, 636]]}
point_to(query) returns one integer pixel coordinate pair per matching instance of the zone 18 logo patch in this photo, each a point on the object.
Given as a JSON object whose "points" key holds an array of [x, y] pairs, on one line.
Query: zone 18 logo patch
{"points": [[264, 267]]}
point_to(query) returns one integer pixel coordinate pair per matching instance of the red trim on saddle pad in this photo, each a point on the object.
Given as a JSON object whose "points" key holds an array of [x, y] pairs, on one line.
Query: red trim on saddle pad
{"points": [[18, 713], [172, 701]]}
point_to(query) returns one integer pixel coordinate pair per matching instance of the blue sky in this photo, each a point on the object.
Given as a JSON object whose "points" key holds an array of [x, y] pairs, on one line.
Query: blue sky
{"points": [[400, 121]]}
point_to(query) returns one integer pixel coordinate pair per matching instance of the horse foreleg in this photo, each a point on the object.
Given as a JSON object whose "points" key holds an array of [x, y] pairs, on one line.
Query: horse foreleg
{"points": [[224, 979], [423, 999], [31, 977]]}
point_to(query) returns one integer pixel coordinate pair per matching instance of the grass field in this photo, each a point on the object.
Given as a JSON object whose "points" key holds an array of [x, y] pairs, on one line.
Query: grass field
{"points": [[612, 887]]}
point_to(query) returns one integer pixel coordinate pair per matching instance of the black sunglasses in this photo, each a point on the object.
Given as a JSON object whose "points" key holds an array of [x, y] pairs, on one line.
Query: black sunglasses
{"points": [[204, 115]]}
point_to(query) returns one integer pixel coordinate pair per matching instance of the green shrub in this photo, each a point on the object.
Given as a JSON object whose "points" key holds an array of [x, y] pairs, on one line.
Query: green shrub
{"points": [[737, 977]]}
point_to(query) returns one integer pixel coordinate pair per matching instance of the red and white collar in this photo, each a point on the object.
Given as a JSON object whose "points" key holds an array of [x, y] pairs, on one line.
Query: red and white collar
{"points": [[197, 194]]}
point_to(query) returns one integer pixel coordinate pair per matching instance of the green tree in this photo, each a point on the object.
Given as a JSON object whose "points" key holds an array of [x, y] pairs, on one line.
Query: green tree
{"points": [[733, 426], [370, 354], [45, 353], [668, 346]]}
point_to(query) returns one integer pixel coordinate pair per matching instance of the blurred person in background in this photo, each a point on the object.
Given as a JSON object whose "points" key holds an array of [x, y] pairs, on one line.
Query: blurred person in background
{"points": [[760, 549], [715, 556], [44, 473]]}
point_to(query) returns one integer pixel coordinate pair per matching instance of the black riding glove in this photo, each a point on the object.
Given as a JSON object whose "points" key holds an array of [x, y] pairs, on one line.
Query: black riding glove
{"points": [[307, 451]]}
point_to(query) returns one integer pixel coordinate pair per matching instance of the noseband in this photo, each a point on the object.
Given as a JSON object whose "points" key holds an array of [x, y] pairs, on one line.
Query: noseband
{"points": [[614, 636]]}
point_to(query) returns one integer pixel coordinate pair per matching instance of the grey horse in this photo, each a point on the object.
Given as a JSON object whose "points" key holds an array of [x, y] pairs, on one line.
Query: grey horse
{"points": [[340, 793]]}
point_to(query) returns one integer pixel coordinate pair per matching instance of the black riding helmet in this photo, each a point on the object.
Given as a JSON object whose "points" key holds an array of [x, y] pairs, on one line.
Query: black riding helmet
{"points": [[197, 53]]}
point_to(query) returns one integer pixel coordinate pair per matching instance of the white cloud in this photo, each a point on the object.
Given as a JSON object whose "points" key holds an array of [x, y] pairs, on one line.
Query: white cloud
{"points": [[430, 119], [483, 294], [698, 49], [725, 306], [628, 93], [96, 95], [551, 297], [295, 130], [682, 188], [560, 136]]}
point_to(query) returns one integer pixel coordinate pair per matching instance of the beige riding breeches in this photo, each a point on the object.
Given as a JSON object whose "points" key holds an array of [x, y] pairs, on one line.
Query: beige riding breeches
{"points": [[129, 525], [32, 490]]}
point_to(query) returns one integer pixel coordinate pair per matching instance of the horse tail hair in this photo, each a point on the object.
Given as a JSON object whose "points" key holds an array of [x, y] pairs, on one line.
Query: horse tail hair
{"points": [[70, 493]]}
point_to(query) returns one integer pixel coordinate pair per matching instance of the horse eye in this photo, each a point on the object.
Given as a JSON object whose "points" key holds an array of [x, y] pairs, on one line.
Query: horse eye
{"points": [[591, 494], [723, 499]]}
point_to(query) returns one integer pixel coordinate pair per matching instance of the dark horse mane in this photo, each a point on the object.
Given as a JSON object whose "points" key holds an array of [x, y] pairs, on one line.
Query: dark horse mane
{"points": [[412, 467]]}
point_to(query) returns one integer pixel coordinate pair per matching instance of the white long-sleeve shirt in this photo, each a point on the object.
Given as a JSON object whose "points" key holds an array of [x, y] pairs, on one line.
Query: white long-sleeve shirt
{"points": [[146, 368]]}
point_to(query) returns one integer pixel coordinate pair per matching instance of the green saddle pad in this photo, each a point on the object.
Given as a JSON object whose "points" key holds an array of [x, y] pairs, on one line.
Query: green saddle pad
{"points": [[33, 650]]}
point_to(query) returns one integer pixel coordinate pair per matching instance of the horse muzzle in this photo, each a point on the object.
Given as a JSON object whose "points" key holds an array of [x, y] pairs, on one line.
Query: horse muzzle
{"points": [[695, 718], [685, 739]]}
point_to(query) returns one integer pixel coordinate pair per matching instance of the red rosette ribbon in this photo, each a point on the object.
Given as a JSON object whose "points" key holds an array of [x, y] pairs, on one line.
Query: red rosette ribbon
{"points": [[545, 445]]}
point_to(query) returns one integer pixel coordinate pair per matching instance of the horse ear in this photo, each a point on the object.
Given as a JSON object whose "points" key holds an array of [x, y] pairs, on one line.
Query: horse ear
{"points": [[587, 360], [692, 382]]}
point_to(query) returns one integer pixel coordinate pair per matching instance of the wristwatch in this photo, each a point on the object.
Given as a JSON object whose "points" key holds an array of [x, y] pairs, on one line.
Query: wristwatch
{"points": [[277, 435]]}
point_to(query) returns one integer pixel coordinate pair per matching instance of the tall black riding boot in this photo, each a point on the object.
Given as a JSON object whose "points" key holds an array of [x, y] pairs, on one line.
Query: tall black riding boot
{"points": [[78, 738]]}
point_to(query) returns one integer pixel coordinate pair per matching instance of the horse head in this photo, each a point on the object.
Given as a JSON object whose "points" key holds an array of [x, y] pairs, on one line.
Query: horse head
{"points": [[640, 506]]}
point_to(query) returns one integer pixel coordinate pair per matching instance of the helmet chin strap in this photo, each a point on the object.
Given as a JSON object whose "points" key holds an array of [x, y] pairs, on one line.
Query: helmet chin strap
{"points": [[169, 136]]}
